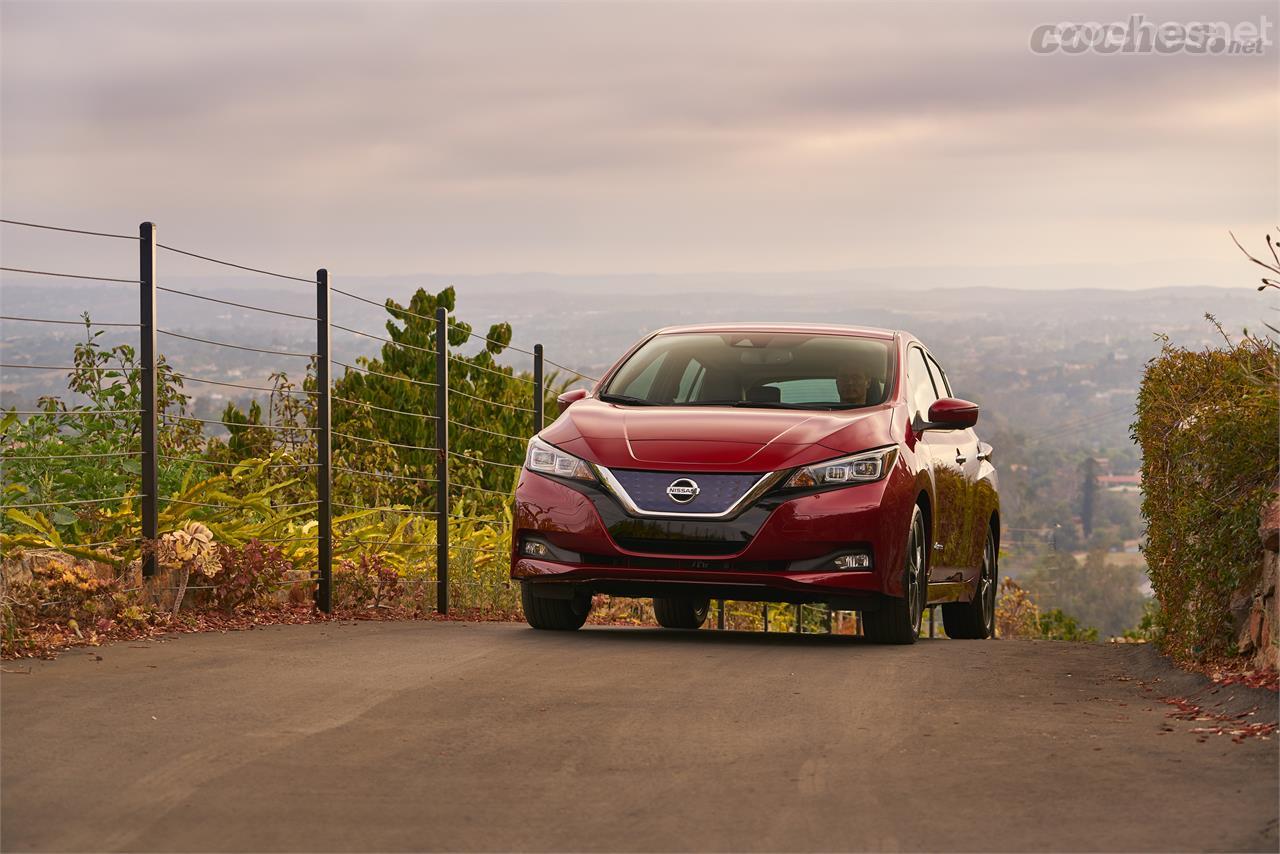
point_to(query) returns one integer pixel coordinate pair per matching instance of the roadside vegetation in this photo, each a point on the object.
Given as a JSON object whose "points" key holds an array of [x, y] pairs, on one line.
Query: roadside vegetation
{"points": [[237, 514], [1208, 422]]}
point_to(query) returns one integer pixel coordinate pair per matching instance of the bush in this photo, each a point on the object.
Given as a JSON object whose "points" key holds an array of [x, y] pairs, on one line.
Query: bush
{"points": [[59, 593], [1055, 625], [251, 574], [1017, 615], [368, 582], [1207, 424]]}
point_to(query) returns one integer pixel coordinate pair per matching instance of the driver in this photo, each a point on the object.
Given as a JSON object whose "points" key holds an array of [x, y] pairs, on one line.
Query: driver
{"points": [[851, 384]]}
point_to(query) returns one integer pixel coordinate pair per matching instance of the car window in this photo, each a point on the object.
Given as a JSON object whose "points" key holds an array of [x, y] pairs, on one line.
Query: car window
{"points": [[803, 391], [757, 368], [940, 381], [641, 383], [690, 381], [920, 391]]}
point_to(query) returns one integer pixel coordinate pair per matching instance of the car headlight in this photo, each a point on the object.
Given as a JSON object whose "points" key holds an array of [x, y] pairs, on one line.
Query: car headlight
{"points": [[864, 467], [548, 459]]}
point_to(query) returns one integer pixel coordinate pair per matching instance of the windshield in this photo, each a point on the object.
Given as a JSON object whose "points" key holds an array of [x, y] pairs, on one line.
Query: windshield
{"points": [[755, 369]]}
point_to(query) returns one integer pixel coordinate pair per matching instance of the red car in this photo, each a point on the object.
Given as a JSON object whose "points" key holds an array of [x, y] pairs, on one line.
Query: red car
{"points": [[768, 463]]}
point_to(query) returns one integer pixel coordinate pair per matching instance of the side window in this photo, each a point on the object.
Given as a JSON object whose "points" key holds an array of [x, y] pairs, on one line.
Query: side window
{"points": [[920, 393], [690, 381], [940, 378], [641, 383]]}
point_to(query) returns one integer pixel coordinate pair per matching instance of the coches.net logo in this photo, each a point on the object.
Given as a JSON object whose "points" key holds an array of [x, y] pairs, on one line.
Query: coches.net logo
{"points": [[1137, 35]]}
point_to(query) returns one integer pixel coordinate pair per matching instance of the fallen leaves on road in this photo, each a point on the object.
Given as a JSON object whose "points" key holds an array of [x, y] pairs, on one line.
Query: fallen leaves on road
{"points": [[48, 639], [1232, 725], [1268, 679], [1233, 671]]}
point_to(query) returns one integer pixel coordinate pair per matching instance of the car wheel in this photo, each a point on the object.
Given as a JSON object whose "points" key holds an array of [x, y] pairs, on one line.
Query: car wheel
{"points": [[898, 618], [543, 612], [976, 620], [681, 613]]}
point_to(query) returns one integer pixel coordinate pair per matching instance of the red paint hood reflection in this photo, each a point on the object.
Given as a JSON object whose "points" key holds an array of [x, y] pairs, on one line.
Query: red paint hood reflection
{"points": [[713, 438]]}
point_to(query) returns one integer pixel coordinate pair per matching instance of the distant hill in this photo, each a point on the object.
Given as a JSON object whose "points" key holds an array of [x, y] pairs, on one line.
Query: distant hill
{"points": [[1034, 358]]}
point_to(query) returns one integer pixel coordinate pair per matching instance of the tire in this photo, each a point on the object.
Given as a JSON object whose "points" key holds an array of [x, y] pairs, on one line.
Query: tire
{"points": [[898, 618], [682, 613], [976, 620], [561, 615]]}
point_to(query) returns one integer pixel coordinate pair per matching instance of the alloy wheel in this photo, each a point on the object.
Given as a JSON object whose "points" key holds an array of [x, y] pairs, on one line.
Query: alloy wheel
{"points": [[917, 586], [987, 587]]}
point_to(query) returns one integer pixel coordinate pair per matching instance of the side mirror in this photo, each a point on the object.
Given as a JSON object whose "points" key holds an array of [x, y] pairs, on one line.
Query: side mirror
{"points": [[571, 397], [951, 413]]}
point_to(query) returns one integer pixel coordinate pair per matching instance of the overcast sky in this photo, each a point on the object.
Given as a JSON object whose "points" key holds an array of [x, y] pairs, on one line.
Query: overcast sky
{"points": [[407, 137]]}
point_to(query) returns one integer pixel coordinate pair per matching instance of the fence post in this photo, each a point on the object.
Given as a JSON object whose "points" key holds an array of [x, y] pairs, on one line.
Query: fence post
{"points": [[147, 370], [720, 614], [764, 610], [538, 391], [799, 619], [442, 467], [324, 446]]}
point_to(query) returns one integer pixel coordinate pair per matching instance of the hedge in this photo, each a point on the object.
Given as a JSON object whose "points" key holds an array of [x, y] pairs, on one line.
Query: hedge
{"points": [[1208, 425]]}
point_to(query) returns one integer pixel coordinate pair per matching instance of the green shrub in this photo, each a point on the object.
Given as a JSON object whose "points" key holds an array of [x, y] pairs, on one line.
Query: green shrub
{"points": [[1207, 424], [1055, 625]]}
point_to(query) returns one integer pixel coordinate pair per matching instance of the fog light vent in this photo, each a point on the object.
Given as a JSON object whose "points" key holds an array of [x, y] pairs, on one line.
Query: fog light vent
{"points": [[858, 561]]}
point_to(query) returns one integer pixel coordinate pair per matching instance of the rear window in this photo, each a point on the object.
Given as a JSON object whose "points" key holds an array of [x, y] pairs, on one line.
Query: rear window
{"points": [[756, 369], [806, 391]]}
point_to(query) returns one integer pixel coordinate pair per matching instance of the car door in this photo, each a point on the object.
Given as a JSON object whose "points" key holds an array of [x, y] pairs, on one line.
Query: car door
{"points": [[921, 394], [957, 463]]}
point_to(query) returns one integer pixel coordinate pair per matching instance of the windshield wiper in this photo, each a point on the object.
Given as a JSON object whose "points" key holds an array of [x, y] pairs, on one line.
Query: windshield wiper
{"points": [[627, 399]]}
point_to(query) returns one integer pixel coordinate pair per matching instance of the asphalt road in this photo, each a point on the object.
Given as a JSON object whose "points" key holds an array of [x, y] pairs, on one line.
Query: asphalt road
{"points": [[400, 736]]}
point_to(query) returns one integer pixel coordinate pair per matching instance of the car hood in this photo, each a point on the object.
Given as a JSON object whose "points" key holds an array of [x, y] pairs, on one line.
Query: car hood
{"points": [[713, 438]]}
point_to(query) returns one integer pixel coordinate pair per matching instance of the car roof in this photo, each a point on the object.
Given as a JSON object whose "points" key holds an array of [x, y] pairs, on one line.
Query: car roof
{"points": [[815, 328]]}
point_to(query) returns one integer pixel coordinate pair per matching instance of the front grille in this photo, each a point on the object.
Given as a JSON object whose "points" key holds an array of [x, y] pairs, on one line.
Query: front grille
{"points": [[716, 492]]}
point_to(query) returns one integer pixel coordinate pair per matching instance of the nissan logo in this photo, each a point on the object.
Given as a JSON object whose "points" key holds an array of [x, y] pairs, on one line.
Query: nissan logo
{"points": [[683, 491]]}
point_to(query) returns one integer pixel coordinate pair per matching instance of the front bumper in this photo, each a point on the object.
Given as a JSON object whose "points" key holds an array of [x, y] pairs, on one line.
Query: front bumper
{"points": [[778, 550]]}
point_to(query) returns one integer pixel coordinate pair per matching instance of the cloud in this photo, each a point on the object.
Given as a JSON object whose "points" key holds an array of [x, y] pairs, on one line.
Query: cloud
{"points": [[614, 137]]}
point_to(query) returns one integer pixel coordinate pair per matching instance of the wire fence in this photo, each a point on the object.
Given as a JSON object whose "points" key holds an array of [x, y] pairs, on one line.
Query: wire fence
{"points": [[440, 466]]}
